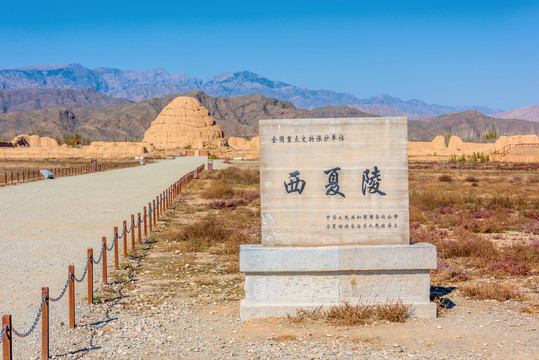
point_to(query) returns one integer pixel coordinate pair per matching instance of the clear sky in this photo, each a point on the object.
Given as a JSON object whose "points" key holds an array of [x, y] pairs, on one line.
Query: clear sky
{"points": [[450, 52]]}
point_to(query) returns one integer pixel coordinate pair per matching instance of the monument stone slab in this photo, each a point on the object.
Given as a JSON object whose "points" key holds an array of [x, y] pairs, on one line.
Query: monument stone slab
{"points": [[334, 181], [335, 219]]}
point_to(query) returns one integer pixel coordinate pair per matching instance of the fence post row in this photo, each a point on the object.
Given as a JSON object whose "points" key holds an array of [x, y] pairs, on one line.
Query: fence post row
{"points": [[160, 205]]}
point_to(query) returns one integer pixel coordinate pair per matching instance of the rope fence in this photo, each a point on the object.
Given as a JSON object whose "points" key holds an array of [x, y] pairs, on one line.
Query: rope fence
{"points": [[148, 217]]}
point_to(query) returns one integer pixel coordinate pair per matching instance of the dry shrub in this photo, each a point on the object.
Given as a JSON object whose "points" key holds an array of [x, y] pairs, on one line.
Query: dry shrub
{"points": [[445, 272], [418, 215], [302, 315], [532, 309], [445, 178], [217, 190], [393, 311], [531, 227], [491, 291], [285, 338], [471, 179], [234, 175], [430, 199], [201, 234], [347, 314], [515, 260], [467, 245]]}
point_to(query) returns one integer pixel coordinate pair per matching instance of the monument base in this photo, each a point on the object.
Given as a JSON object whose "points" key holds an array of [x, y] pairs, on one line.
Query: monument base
{"points": [[280, 280]]}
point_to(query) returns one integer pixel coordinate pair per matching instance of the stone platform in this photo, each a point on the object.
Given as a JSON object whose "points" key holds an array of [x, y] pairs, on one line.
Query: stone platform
{"points": [[279, 280]]}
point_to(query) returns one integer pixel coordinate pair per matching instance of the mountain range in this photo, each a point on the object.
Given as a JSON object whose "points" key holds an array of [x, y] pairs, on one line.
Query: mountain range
{"points": [[530, 113], [237, 116], [140, 85]]}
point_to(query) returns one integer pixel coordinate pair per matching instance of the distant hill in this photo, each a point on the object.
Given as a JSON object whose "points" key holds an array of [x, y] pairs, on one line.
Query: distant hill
{"points": [[469, 125], [12, 100], [385, 110], [530, 113], [139, 85], [237, 116]]}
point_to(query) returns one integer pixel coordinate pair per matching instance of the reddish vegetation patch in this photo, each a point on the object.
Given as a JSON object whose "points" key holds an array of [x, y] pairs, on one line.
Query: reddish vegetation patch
{"points": [[484, 231]]}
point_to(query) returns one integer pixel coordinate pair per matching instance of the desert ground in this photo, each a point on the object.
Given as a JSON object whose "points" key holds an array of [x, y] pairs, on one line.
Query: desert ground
{"points": [[178, 296]]}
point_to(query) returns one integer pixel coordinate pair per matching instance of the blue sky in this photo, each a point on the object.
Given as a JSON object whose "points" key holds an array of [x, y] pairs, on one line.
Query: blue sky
{"points": [[448, 52]]}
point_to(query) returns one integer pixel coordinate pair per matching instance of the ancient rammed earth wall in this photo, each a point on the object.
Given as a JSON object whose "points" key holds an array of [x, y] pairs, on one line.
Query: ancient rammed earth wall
{"points": [[437, 148]]}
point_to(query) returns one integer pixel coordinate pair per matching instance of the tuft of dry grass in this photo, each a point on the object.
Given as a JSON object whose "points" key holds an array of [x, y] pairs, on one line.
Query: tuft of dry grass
{"points": [[285, 338], [445, 178], [217, 190], [347, 314], [491, 291]]}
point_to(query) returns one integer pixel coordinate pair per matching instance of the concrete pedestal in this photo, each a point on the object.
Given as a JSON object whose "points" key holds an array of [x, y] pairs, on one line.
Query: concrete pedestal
{"points": [[279, 280]]}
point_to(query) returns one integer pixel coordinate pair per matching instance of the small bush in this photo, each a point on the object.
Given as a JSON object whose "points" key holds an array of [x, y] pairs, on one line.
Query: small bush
{"points": [[347, 314], [491, 291], [217, 190], [445, 178], [471, 179], [478, 157], [200, 235], [467, 245], [446, 272]]}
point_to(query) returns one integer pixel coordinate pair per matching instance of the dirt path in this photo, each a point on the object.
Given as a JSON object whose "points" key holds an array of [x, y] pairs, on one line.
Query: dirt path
{"points": [[48, 225]]}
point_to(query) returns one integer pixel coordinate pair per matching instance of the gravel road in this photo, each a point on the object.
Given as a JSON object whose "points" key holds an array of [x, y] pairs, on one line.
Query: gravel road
{"points": [[48, 225]]}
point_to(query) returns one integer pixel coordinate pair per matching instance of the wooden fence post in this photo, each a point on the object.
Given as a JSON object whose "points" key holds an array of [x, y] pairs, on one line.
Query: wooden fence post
{"points": [[132, 232], [72, 297], [150, 215], [158, 207], [116, 265], [104, 259], [6, 342], [145, 227], [125, 239], [45, 324], [139, 226], [154, 218], [90, 276]]}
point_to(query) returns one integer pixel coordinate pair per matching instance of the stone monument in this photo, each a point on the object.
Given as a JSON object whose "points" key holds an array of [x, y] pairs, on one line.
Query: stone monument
{"points": [[334, 203]]}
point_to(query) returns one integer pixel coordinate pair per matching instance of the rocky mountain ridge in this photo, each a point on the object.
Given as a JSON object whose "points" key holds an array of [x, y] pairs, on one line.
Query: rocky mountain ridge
{"points": [[139, 85], [530, 113], [21, 100]]}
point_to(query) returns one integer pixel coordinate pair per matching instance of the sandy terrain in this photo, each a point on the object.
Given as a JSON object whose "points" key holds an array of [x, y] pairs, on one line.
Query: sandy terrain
{"points": [[48, 225]]}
